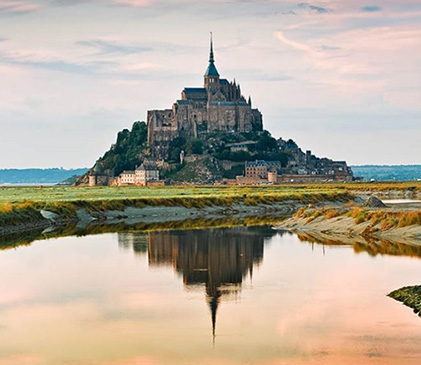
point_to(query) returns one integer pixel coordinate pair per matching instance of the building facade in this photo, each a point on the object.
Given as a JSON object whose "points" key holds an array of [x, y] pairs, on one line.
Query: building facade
{"points": [[259, 169], [127, 178], [218, 106], [146, 173]]}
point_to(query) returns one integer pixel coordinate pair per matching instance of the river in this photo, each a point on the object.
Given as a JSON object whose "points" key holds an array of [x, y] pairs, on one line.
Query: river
{"points": [[206, 296]]}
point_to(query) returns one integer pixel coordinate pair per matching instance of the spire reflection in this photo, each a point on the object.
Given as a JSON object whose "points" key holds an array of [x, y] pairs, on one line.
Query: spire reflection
{"points": [[219, 259]]}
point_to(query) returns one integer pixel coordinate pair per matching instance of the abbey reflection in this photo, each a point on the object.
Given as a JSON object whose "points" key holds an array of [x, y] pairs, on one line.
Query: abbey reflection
{"points": [[218, 258]]}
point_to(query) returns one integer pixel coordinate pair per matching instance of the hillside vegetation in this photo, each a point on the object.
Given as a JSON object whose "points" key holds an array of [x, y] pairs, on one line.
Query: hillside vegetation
{"points": [[126, 153], [130, 150]]}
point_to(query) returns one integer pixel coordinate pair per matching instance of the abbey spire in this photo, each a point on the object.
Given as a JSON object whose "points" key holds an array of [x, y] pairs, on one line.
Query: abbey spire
{"points": [[211, 74], [211, 58]]}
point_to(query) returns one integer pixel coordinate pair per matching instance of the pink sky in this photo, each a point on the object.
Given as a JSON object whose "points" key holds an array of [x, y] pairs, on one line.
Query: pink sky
{"points": [[340, 77]]}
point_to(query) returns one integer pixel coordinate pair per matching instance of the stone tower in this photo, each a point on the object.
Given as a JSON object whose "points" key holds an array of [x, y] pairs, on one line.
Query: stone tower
{"points": [[211, 76]]}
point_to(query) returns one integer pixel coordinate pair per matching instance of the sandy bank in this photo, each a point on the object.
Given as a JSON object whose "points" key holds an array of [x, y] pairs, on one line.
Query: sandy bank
{"points": [[346, 229]]}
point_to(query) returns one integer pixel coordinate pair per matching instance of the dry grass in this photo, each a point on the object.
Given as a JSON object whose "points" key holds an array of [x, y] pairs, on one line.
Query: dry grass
{"points": [[310, 214], [66, 201], [386, 219], [381, 219]]}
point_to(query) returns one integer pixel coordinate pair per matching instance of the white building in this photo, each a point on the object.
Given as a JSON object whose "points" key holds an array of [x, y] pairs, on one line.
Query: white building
{"points": [[146, 173], [127, 178]]}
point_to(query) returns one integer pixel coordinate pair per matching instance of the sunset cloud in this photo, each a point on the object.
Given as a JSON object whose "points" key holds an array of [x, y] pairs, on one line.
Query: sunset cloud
{"points": [[17, 7]]}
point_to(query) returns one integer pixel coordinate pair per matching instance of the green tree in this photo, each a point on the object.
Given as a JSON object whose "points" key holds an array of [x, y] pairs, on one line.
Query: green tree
{"points": [[195, 147], [266, 142]]}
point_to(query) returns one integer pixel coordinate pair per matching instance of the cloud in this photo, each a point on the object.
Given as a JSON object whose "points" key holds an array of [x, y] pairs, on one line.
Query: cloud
{"points": [[17, 7], [354, 67], [135, 3], [106, 47], [253, 74], [325, 47], [296, 45], [313, 8], [371, 8], [52, 64]]}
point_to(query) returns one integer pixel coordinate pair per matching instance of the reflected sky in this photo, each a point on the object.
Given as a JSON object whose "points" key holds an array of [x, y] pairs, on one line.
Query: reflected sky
{"points": [[217, 296]]}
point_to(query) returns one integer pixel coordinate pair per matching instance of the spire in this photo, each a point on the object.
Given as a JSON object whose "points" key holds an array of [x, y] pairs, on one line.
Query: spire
{"points": [[211, 71], [211, 57]]}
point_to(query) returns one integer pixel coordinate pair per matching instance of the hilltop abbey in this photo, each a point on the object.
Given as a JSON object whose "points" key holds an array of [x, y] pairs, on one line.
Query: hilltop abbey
{"points": [[211, 135], [218, 106]]}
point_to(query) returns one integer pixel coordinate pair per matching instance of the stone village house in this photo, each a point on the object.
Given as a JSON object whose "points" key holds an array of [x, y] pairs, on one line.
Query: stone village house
{"points": [[145, 174]]}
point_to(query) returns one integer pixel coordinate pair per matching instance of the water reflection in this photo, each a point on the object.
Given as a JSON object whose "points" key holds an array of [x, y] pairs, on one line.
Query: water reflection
{"points": [[372, 246], [219, 259], [25, 238], [156, 297]]}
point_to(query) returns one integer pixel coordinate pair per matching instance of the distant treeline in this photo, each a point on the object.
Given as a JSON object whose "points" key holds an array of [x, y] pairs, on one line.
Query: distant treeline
{"points": [[38, 176], [388, 173]]}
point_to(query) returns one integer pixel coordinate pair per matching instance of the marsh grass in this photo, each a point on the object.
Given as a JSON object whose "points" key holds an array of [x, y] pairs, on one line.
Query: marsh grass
{"points": [[381, 219], [387, 219], [20, 204]]}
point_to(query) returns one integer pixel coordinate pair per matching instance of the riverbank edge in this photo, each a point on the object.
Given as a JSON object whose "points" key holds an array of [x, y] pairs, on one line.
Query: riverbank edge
{"points": [[31, 215], [345, 226]]}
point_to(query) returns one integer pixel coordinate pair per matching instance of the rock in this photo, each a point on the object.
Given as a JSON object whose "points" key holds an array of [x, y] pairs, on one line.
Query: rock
{"points": [[49, 215], [373, 202]]}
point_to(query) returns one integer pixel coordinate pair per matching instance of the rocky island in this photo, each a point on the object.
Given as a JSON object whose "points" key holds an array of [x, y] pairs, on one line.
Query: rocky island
{"points": [[212, 134]]}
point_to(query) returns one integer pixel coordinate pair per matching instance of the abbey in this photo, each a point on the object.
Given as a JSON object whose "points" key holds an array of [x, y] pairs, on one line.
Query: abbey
{"points": [[218, 106]]}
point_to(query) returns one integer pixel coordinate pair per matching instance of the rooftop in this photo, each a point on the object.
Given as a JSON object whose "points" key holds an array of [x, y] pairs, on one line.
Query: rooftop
{"points": [[147, 167], [262, 163], [195, 90]]}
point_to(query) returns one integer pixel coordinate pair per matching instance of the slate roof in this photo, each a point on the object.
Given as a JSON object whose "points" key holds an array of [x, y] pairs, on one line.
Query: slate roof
{"points": [[262, 163], [147, 167], [211, 70], [194, 90]]}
